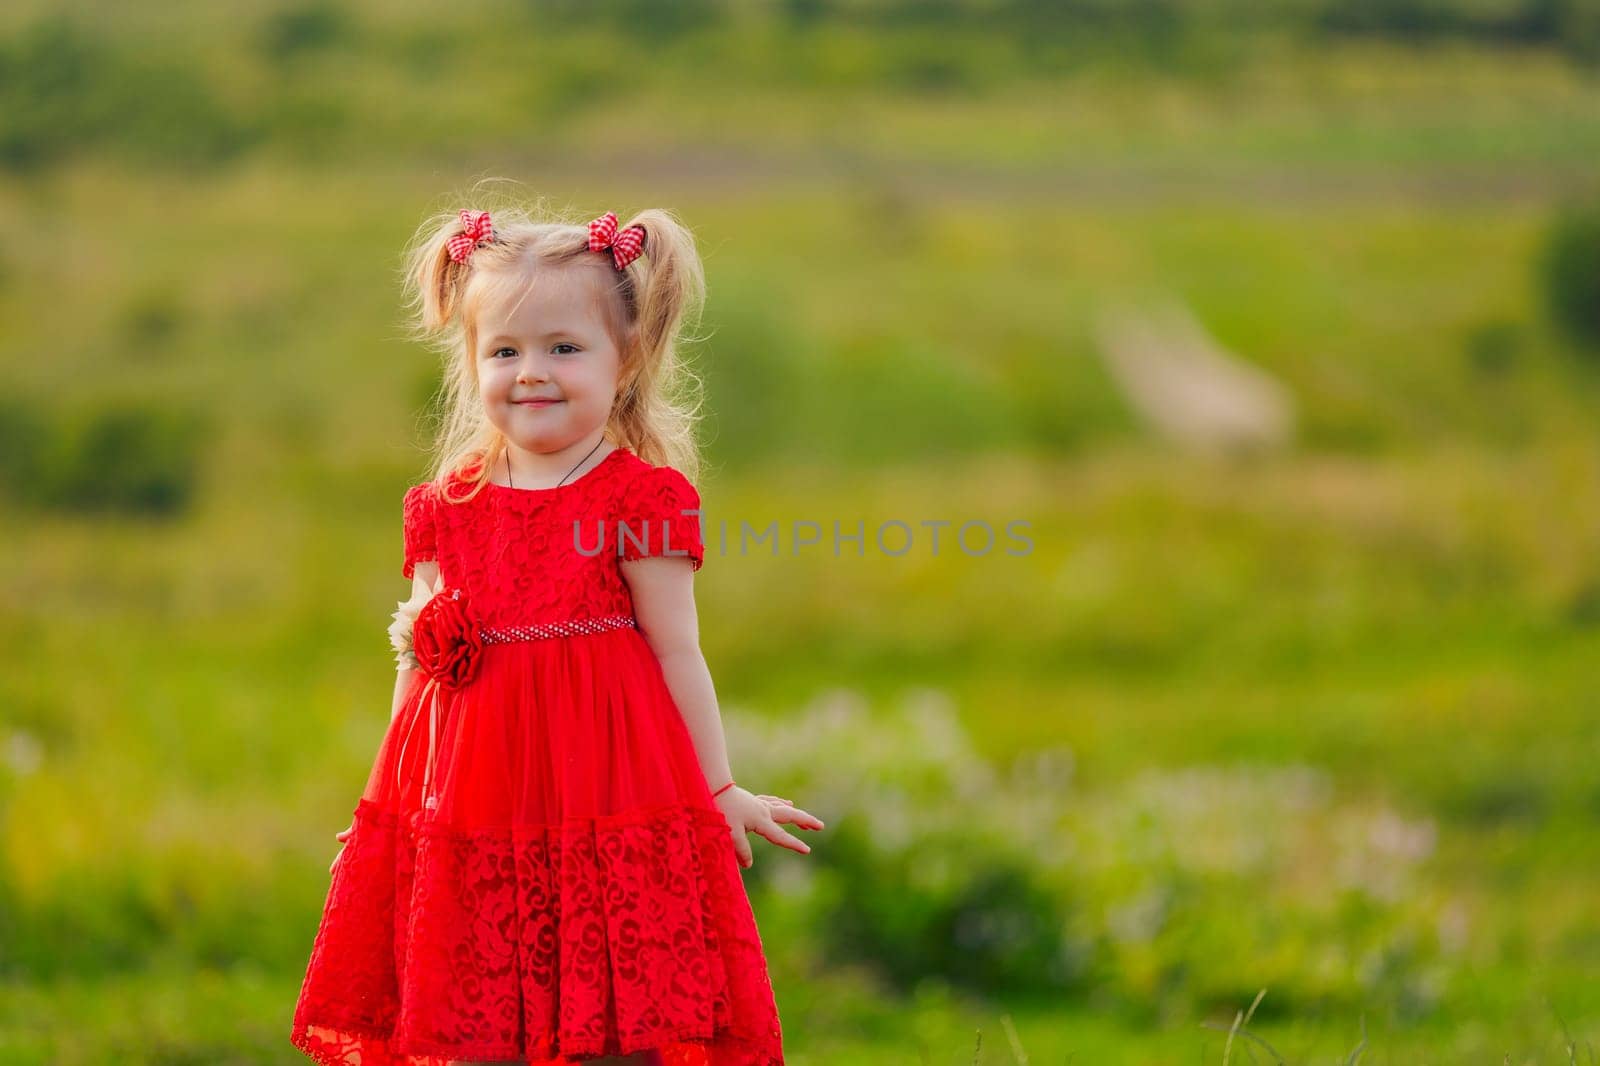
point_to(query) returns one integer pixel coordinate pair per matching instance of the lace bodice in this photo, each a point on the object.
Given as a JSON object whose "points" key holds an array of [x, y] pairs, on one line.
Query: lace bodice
{"points": [[526, 556]]}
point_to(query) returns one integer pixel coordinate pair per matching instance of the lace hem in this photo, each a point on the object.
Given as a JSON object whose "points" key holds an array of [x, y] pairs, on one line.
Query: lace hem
{"points": [[539, 943], [686, 1048]]}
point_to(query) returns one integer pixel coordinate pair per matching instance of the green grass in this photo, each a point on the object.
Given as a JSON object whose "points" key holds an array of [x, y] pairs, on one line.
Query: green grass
{"points": [[904, 293]]}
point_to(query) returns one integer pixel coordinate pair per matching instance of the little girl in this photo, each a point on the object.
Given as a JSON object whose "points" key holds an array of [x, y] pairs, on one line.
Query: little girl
{"points": [[544, 864]]}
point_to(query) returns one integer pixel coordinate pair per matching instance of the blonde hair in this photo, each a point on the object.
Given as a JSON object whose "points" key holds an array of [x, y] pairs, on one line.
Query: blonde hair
{"points": [[645, 308]]}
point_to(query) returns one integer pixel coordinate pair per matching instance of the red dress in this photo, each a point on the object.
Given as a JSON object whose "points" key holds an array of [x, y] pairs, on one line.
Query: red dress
{"points": [[572, 891]]}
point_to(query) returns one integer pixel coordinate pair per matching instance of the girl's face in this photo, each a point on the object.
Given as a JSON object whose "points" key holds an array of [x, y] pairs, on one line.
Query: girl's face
{"points": [[546, 343]]}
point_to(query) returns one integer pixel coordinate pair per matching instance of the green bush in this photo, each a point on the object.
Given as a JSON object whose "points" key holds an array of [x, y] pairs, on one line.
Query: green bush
{"points": [[64, 89], [309, 28], [958, 906], [1493, 347], [117, 458], [1570, 272], [1185, 889]]}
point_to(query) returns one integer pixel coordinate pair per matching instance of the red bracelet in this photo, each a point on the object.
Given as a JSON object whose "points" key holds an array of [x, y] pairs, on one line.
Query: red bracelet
{"points": [[721, 790]]}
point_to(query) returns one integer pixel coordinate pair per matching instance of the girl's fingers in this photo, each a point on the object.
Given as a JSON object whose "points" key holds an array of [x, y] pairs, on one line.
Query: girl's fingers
{"points": [[788, 812], [341, 837], [741, 848], [778, 835], [796, 816]]}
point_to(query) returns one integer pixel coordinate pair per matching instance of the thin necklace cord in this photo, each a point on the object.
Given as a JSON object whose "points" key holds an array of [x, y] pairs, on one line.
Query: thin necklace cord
{"points": [[563, 481]]}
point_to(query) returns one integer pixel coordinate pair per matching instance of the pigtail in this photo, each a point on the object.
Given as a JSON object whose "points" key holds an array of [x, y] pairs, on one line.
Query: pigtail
{"points": [[674, 286], [433, 281], [434, 287], [656, 404]]}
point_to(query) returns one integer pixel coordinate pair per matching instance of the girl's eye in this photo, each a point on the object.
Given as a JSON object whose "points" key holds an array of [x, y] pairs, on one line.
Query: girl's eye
{"points": [[513, 351]]}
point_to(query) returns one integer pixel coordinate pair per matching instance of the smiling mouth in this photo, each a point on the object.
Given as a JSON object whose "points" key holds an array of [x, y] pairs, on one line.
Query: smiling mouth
{"points": [[536, 403]]}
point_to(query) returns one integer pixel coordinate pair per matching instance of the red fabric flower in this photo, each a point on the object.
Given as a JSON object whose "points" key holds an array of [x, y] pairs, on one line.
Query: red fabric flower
{"points": [[445, 639]]}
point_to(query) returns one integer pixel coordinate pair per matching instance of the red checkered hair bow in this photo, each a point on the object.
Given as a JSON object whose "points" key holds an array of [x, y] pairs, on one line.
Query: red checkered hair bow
{"points": [[477, 230], [625, 246]]}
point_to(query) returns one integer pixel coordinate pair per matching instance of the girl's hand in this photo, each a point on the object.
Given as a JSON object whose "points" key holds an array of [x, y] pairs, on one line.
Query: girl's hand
{"points": [[745, 812], [341, 837]]}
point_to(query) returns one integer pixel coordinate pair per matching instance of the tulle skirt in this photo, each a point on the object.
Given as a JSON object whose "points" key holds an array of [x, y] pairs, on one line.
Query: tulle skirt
{"points": [[573, 892]]}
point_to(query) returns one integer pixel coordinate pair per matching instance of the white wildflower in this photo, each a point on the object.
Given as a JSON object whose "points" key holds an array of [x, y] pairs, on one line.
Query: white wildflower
{"points": [[400, 629]]}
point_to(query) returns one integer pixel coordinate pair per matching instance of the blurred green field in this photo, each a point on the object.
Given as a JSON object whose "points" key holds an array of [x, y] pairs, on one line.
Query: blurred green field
{"points": [[1320, 722]]}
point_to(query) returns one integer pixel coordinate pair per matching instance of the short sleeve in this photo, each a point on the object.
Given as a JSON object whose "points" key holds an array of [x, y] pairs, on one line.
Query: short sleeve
{"points": [[418, 527], [661, 516]]}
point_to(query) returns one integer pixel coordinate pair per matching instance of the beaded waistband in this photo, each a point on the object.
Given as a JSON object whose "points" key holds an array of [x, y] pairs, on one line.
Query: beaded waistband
{"points": [[572, 627]]}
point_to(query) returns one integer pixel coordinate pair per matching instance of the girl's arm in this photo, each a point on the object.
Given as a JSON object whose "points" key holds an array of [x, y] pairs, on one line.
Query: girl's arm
{"points": [[424, 581], [402, 681], [663, 605]]}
